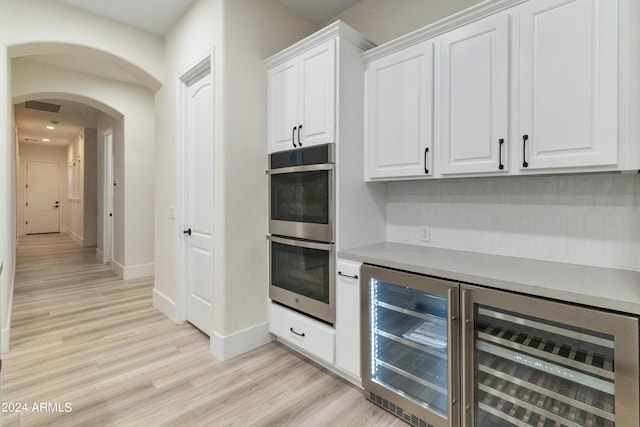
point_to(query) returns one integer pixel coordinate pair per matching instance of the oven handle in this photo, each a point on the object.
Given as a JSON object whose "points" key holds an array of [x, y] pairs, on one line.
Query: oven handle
{"points": [[302, 243], [307, 168]]}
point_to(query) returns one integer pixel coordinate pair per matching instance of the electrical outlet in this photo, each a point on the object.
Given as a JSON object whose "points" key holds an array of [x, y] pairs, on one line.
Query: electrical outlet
{"points": [[425, 233]]}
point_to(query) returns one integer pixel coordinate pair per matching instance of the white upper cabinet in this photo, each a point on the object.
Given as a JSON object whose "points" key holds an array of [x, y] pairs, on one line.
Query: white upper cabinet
{"points": [[302, 99], [568, 82], [473, 97], [283, 105], [399, 114], [317, 95], [520, 87]]}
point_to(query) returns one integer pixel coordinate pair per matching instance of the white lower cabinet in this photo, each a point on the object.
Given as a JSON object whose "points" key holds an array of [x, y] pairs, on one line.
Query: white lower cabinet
{"points": [[348, 318], [311, 336]]}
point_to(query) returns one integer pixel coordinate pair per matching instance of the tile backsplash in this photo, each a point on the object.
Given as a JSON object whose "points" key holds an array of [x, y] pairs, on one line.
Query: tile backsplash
{"points": [[580, 219]]}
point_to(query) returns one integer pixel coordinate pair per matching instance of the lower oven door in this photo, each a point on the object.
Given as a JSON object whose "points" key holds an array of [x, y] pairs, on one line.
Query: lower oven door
{"points": [[302, 276]]}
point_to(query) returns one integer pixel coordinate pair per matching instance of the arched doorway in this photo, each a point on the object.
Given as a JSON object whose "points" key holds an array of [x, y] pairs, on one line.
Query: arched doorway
{"points": [[64, 130], [116, 87]]}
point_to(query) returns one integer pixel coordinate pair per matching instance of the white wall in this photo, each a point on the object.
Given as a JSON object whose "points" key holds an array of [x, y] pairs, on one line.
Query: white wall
{"points": [[42, 153], [7, 199], [90, 188], [579, 219], [75, 193], [384, 20], [82, 155], [242, 34]]}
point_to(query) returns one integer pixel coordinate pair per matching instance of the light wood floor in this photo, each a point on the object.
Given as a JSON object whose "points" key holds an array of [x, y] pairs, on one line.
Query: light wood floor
{"points": [[82, 337]]}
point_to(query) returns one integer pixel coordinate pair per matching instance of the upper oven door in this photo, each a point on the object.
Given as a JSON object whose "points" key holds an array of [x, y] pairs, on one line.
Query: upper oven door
{"points": [[301, 201]]}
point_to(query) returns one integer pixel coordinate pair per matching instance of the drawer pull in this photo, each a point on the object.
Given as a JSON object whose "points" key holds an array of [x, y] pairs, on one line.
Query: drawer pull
{"points": [[300, 334], [340, 273]]}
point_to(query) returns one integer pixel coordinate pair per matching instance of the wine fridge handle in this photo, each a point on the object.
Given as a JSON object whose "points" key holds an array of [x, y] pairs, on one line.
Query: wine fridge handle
{"points": [[467, 359], [453, 337]]}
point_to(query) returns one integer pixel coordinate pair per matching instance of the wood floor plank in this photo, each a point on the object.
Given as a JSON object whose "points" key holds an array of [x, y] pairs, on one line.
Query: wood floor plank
{"points": [[82, 337]]}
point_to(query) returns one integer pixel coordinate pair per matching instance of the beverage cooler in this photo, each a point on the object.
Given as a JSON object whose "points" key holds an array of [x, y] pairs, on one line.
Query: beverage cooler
{"points": [[410, 345], [437, 353]]}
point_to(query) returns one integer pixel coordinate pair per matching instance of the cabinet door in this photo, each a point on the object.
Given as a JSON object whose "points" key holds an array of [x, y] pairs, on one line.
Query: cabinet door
{"points": [[568, 83], [348, 318], [283, 106], [399, 114], [317, 95], [473, 91], [531, 361]]}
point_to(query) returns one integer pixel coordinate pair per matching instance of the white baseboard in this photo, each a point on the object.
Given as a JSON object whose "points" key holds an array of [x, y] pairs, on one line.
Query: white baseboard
{"points": [[228, 346], [132, 271], [164, 304], [5, 339], [89, 243], [99, 255], [75, 237], [5, 334], [117, 268]]}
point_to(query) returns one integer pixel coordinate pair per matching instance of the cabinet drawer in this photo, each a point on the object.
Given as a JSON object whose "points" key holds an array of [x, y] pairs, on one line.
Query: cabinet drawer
{"points": [[300, 331]]}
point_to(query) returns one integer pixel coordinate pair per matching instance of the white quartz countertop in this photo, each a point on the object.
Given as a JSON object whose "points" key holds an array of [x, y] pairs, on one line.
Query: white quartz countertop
{"points": [[606, 288]]}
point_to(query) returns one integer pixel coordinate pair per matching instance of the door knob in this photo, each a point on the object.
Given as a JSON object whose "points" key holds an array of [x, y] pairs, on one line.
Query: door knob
{"points": [[187, 232]]}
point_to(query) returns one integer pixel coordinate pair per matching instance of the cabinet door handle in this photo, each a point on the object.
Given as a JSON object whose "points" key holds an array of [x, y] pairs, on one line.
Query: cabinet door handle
{"points": [[299, 129], [426, 169], [524, 151], [293, 136], [300, 334], [500, 143], [340, 273]]}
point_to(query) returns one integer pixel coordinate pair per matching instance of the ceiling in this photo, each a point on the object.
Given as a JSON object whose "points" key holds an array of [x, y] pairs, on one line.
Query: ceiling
{"points": [[158, 17], [154, 16], [72, 118]]}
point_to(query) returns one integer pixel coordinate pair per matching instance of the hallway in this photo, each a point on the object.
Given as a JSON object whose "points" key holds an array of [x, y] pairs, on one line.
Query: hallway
{"points": [[93, 349]]}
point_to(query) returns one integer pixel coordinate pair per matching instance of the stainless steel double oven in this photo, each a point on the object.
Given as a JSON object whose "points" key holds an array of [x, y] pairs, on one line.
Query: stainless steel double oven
{"points": [[302, 230]]}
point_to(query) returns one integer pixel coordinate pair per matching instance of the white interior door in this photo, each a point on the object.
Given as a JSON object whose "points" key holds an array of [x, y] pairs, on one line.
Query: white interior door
{"points": [[42, 209], [199, 202], [108, 197]]}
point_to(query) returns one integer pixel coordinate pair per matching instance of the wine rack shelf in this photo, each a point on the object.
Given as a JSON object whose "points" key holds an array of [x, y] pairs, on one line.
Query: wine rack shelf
{"points": [[536, 373]]}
